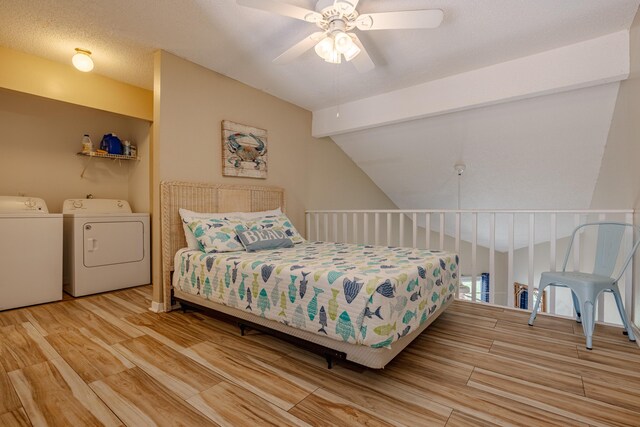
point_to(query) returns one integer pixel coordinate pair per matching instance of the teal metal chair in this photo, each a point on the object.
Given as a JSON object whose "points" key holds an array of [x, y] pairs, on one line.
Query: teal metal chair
{"points": [[585, 287]]}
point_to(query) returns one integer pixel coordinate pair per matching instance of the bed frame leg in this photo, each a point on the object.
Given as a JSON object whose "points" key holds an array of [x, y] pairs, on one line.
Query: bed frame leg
{"points": [[242, 328], [329, 361]]}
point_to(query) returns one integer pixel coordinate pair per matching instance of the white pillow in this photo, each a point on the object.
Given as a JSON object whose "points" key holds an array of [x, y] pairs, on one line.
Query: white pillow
{"points": [[256, 215], [188, 216]]}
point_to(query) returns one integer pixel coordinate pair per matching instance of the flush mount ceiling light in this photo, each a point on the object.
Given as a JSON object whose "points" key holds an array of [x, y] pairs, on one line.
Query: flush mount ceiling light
{"points": [[82, 60], [336, 18]]}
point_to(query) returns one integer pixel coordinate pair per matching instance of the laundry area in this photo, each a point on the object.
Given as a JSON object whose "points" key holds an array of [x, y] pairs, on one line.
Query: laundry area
{"points": [[74, 200]]}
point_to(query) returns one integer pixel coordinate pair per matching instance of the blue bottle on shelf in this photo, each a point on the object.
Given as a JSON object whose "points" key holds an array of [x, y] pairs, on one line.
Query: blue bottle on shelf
{"points": [[111, 144]]}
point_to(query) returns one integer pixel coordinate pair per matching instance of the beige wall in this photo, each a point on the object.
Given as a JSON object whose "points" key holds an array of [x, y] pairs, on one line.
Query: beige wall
{"points": [[31, 74], [618, 184], [190, 103], [40, 139], [139, 171]]}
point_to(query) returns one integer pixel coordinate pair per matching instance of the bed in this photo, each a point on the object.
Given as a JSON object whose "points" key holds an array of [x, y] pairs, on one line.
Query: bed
{"points": [[356, 302]]}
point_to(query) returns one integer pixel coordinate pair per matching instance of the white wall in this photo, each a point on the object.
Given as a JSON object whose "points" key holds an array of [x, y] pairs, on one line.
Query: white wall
{"points": [[618, 184], [40, 139]]}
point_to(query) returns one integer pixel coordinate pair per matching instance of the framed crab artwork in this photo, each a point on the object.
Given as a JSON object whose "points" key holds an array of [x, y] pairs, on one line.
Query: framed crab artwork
{"points": [[244, 150]]}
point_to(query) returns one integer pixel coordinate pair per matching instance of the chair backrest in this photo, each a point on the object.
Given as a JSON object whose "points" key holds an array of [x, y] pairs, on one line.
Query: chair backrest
{"points": [[608, 246]]}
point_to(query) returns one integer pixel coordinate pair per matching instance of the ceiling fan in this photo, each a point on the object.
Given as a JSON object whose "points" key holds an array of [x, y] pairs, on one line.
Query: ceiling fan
{"points": [[336, 18]]}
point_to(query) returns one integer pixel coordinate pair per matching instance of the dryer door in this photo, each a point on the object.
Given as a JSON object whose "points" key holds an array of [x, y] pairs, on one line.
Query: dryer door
{"points": [[108, 243]]}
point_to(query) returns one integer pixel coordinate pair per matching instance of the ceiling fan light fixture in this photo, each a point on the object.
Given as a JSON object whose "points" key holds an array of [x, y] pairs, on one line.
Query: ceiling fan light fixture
{"points": [[324, 48], [82, 60], [334, 58], [352, 52], [342, 41]]}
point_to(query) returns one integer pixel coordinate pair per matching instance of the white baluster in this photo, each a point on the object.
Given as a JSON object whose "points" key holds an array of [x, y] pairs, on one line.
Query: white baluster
{"points": [[532, 235], [427, 230], [628, 291], [307, 224], [365, 224], [355, 228], [576, 244], [492, 257], [326, 227], [317, 221], [345, 228], [601, 305], [376, 229], [553, 242], [414, 221], [442, 231], [401, 230], [510, 282], [457, 247], [335, 226], [474, 246], [389, 229]]}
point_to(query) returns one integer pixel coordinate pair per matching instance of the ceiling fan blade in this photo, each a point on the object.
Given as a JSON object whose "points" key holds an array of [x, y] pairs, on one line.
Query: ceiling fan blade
{"points": [[299, 48], [347, 6], [362, 61], [284, 9], [408, 19]]}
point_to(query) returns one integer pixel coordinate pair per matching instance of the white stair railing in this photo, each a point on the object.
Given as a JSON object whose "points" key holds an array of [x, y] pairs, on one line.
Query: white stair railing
{"points": [[510, 245]]}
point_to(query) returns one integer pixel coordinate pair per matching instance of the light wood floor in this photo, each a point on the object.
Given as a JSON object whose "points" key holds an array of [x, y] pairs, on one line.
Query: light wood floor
{"points": [[107, 360]]}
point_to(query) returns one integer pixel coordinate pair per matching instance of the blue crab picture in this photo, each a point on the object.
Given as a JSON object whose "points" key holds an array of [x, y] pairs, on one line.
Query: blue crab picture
{"points": [[244, 150]]}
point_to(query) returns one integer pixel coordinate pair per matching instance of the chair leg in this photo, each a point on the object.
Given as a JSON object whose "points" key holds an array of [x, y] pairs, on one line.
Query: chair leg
{"points": [[588, 323], [623, 314], [534, 313], [576, 306]]}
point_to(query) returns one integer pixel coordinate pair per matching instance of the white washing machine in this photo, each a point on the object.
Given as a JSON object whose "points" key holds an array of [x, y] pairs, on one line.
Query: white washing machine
{"points": [[30, 253], [106, 246]]}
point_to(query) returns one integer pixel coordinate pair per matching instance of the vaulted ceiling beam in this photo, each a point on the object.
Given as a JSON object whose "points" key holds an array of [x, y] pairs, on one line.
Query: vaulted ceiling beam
{"points": [[593, 62]]}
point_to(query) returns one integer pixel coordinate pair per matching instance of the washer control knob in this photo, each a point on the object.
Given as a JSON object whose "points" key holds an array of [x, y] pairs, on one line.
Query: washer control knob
{"points": [[77, 204], [120, 204], [30, 204]]}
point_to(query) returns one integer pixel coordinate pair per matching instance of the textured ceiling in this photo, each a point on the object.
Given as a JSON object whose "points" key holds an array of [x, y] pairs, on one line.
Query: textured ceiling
{"points": [[241, 42], [540, 153]]}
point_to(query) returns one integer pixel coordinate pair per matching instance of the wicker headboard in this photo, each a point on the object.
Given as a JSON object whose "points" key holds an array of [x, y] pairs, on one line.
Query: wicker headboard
{"points": [[205, 198]]}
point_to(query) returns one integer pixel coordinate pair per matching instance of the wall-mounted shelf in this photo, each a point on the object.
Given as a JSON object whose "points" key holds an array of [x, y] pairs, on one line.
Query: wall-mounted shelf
{"points": [[109, 156], [96, 155]]}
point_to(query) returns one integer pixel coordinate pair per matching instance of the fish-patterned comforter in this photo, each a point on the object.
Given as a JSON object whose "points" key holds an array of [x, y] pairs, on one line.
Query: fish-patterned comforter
{"points": [[368, 295]]}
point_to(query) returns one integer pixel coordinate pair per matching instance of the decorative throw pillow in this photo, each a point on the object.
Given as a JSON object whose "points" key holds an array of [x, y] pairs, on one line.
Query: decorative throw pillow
{"points": [[188, 216], [279, 221], [269, 238], [218, 235]]}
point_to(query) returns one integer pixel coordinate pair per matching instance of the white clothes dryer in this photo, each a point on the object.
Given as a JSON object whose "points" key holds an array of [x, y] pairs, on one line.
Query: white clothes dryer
{"points": [[30, 253], [106, 246]]}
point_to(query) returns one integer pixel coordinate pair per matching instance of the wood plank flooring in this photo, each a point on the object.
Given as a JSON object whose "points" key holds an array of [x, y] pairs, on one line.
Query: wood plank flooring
{"points": [[107, 360]]}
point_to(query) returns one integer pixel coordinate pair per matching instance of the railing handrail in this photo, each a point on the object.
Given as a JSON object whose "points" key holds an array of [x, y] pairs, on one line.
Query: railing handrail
{"points": [[498, 211]]}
